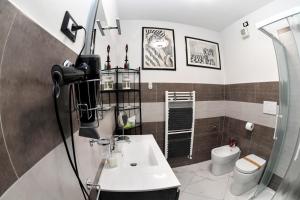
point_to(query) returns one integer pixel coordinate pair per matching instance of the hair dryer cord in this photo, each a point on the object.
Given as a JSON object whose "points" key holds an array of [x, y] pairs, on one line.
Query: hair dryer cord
{"points": [[84, 192]]}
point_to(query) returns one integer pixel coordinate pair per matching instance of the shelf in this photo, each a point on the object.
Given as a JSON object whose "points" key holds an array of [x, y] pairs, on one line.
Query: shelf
{"points": [[133, 106], [106, 108], [136, 126], [120, 90], [120, 70], [121, 108]]}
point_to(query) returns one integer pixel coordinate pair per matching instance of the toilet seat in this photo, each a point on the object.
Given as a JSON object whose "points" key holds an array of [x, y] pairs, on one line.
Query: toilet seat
{"points": [[246, 167]]}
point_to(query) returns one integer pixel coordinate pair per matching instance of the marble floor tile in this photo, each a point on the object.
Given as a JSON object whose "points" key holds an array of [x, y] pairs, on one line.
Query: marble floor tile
{"points": [[184, 177], [245, 196], [210, 188], [204, 170], [198, 183], [188, 196]]}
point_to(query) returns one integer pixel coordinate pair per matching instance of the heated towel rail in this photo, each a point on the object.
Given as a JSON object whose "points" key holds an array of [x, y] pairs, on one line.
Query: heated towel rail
{"points": [[179, 124]]}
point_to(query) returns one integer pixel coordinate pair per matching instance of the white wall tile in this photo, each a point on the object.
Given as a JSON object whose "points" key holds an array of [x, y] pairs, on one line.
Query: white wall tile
{"points": [[155, 112], [52, 177], [252, 112]]}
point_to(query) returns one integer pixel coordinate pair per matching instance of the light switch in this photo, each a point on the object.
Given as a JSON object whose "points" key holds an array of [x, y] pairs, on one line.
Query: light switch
{"points": [[270, 107], [150, 85]]}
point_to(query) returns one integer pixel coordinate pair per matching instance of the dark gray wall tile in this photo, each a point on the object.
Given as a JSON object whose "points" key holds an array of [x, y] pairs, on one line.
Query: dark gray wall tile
{"points": [[150, 128], [27, 110], [7, 175], [241, 92], [207, 136], [261, 150], [157, 130], [227, 92], [209, 92], [108, 98], [160, 130], [259, 142], [256, 92], [204, 92], [205, 142], [235, 129], [197, 157], [7, 14], [147, 94], [263, 134], [207, 126], [244, 92], [267, 91], [172, 87]]}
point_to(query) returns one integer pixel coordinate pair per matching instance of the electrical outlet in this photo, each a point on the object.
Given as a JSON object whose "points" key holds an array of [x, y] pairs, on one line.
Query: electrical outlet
{"points": [[66, 27], [69, 27]]}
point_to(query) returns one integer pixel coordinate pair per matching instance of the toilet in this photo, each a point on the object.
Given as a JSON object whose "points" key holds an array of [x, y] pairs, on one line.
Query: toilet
{"points": [[223, 159], [247, 173]]}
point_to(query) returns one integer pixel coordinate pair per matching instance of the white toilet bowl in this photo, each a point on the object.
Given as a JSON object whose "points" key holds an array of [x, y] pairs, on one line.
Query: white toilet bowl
{"points": [[223, 159], [247, 173]]}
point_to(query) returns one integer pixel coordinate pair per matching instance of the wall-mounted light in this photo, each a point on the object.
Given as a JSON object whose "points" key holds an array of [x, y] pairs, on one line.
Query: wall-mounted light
{"points": [[101, 28]]}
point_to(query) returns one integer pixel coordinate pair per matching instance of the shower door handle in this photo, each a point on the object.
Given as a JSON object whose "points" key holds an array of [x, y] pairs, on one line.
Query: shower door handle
{"points": [[276, 123], [298, 148]]}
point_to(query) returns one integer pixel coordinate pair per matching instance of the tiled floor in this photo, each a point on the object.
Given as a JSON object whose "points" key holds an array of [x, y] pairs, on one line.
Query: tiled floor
{"points": [[198, 183]]}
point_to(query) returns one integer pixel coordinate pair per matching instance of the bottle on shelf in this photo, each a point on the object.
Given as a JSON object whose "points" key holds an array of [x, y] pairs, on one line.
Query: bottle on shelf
{"points": [[126, 64], [107, 65]]}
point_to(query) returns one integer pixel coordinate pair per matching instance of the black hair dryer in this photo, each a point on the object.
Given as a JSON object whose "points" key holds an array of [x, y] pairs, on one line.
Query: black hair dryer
{"points": [[85, 76]]}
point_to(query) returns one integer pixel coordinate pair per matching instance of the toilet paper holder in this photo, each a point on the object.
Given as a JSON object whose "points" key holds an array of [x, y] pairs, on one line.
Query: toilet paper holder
{"points": [[249, 126]]}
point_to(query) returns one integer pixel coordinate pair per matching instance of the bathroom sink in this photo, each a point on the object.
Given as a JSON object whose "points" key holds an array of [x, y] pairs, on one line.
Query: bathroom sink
{"points": [[136, 155], [141, 167]]}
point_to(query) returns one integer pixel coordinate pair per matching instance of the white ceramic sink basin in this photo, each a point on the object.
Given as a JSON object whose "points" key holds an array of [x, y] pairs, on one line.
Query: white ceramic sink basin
{"points": [[141, 154], [141, 167]]}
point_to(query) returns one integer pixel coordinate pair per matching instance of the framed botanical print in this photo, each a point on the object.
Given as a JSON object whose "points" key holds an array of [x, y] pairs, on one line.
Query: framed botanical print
{"points": [[158, 49], [202, 53]]}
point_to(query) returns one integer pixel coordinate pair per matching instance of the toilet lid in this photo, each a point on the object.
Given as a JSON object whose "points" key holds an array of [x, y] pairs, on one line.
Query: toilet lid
{"points": [[248, 167]]}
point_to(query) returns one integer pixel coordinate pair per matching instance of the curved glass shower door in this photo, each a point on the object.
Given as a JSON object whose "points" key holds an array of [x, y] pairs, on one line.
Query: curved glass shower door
{"points": [[283, 162], [290, 187]]}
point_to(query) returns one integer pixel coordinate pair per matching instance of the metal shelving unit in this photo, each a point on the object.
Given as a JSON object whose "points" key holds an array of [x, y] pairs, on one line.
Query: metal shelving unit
{"points": [[124, 100]]}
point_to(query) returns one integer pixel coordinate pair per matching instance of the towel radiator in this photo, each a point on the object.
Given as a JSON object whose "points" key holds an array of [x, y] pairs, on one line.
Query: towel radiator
{"points": [[179, 124]]}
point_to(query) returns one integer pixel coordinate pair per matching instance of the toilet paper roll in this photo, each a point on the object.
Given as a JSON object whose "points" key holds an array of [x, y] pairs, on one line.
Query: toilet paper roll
{"points": [[249, 126]]}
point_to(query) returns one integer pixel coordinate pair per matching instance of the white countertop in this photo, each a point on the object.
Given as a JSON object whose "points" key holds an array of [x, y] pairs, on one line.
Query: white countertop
{"points": [[151, 173]]}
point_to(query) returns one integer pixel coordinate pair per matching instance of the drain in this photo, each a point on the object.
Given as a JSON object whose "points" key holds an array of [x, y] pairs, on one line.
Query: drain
{"points": [[133, 164]]}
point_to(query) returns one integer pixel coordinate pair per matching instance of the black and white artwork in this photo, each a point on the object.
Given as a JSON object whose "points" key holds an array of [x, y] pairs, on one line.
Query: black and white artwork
{"points": [[202, 53], [158, 51]]}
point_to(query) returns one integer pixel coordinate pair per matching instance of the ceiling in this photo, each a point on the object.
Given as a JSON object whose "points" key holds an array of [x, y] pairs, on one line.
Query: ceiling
{"points": [[211, 14]]}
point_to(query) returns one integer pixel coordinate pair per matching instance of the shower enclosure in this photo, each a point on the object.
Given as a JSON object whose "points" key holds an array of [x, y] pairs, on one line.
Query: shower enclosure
{"points": [[284, 162]]}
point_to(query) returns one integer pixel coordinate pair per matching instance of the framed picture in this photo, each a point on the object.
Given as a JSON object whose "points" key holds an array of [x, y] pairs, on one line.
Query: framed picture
{"points": [[202, 53], [158, 49]]}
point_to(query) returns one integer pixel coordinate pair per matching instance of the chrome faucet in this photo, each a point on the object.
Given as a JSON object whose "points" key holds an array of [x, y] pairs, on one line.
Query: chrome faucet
{"points": [[111, 142], [99, 142]]}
